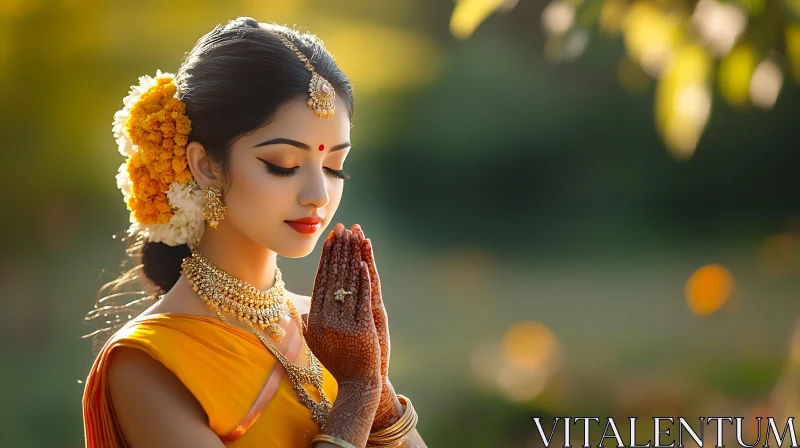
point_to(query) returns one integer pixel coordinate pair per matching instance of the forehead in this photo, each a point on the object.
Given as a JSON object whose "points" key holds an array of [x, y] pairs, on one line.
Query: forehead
{"points": [[296, 121]]}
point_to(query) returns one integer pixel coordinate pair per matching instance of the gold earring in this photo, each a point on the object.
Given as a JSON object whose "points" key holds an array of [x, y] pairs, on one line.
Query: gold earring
{"points": [[213, 210]]}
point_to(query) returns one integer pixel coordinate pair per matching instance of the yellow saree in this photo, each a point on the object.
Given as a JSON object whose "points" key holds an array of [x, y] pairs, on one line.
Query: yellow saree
{"points": [[257, 407]]}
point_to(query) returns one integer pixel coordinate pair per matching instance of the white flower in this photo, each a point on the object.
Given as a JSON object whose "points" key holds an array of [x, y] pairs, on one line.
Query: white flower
{"points": [[124, 143], [124, 182], [186, 224]]}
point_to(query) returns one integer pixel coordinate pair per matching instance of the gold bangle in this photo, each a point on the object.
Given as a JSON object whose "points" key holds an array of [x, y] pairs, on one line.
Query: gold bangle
{"points": [[331, 439], [399, 430], [402, 421], [395, 440]]}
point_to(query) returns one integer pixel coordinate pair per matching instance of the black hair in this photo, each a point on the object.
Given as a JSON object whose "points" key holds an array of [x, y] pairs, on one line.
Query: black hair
{"points": [[235, 80]]}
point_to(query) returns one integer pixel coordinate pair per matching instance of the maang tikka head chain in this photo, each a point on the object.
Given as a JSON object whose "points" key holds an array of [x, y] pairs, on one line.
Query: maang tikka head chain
{"points": [[320, 91]]}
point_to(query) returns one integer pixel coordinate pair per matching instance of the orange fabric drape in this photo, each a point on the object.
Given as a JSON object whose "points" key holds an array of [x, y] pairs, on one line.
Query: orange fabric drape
{"points": [[225, 368]]}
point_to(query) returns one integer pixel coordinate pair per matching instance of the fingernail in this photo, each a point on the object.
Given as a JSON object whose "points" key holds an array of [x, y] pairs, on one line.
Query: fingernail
{"points": [[339, 229]]}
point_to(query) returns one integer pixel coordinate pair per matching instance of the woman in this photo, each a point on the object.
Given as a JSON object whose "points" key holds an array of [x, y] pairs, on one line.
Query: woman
{"points": [[235, 160]]}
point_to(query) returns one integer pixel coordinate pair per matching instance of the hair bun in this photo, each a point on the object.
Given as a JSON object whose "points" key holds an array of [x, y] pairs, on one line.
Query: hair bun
{"points": [[161, 263], [242, 22]]}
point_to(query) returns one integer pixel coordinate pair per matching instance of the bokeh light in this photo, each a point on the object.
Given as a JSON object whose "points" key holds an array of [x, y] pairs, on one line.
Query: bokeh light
{"points": [[718, 24], [779, 254], [708, 288], [652, 36], [765, 84], [683, 100], [735, 72], [469, 14], [530, 345]]}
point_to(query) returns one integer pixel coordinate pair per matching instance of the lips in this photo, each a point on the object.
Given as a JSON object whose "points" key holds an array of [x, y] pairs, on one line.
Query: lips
{"points": [[306, 226]]}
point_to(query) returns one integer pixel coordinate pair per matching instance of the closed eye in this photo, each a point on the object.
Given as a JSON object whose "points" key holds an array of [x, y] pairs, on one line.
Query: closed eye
{"points": [[338, 173], [280, 171]]}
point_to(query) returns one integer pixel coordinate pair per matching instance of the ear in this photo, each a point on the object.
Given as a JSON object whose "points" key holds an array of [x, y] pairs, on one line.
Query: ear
{"points": [[203, 169]]}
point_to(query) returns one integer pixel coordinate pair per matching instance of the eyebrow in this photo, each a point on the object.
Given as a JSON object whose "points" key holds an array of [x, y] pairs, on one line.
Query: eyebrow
{"points": [[295, 143]]}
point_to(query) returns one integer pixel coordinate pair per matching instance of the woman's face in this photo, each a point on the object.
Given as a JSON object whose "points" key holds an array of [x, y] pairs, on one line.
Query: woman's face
{"points": [[288, 170]]}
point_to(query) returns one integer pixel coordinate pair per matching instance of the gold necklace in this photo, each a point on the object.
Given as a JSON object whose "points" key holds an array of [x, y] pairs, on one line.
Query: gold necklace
{"points": [[207, 280], [221, 290]]}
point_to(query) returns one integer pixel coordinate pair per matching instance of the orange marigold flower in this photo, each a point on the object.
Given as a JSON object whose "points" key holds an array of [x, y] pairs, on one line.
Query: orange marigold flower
{"points": [[183, 177], [178, 164], [180, 144], [158, 125]]}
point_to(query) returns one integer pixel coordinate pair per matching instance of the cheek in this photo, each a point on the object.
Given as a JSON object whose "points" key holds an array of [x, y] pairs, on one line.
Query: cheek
{"points": [[258, 197], [335, 192]]}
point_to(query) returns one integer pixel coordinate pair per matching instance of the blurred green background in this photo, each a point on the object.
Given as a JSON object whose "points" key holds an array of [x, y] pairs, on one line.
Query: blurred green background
{"points": [[578, 208]]}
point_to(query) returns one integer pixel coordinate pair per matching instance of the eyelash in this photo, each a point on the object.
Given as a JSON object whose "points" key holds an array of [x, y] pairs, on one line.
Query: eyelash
{"points": [[276, 170]]}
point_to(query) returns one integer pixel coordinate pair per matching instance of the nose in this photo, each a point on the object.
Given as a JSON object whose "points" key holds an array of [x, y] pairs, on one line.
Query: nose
{"points": [[314, 191]]}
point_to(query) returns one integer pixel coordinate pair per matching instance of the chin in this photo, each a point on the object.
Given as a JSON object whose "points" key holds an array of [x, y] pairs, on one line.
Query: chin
{"points": [[298, 250]]}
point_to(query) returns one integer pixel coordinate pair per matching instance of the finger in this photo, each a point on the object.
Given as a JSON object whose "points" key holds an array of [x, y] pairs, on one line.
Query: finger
{"points": [[348, 280], [364, 305], [351, 299], [378, 310], [334, 244], [332, 308], [356, 228], [332, 270], [322, 272], [358, 253], [369, 256], [320, 286], [347, 258]]}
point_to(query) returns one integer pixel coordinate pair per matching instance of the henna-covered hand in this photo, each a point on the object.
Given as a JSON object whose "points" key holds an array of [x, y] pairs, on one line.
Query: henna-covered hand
{"points": [[342, 335], [390, 409], [378, 309]]}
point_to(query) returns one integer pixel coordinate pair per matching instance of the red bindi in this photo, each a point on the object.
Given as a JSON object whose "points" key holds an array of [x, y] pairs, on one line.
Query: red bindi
{"points": [[321, 147]]}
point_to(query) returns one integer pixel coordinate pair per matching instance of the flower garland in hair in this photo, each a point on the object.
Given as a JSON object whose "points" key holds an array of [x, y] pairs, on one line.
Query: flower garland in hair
{"points": [[152, 131]]}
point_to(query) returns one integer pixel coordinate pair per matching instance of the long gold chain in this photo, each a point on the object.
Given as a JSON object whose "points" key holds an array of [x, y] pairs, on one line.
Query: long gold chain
{"points": [[207, 280]]}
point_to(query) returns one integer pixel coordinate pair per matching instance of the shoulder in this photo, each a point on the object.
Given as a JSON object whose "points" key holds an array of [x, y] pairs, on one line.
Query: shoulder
{"points": [[150, 402], [302, 303]]}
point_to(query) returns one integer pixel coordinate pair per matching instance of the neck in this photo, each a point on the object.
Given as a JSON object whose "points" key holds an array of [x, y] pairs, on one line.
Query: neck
{"points": [[239, 256]]}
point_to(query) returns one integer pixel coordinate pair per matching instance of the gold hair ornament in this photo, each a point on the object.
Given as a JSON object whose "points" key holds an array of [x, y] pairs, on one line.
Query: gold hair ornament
{"points": [[320, 91]]}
